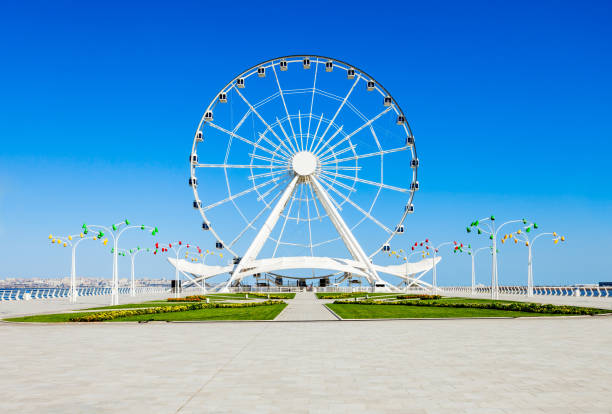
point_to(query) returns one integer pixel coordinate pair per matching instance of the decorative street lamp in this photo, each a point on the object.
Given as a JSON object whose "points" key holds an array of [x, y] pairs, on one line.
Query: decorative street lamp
{"points": [[66, 241], [472, 254], [177, 247], [487, 226], [132, 253], [522, 235], [115, 233], [407, 260]]}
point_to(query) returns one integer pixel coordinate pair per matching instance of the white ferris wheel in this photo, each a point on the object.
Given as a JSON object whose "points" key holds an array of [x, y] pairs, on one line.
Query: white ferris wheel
{"points": [[298, 158]]}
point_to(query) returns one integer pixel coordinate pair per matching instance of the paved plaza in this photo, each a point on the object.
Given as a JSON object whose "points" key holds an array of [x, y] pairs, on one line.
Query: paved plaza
{"points": [[524, 365]]}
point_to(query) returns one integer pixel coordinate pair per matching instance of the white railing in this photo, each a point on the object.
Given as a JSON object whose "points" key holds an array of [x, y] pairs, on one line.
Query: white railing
{"points": [[586, 291], [52, 293]]}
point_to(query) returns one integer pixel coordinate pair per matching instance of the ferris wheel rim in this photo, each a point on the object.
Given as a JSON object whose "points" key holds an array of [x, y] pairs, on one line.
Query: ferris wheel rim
{"points": [[271, 62]]}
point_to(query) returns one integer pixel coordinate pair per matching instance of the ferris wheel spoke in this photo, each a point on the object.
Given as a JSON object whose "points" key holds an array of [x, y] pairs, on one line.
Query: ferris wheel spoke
{"points": [[365, 125], [338, 183], [280, 90], [239, 166], [250, 224], [314, 201], [371, 154], [339, 109], [296, 147], [264, 195], [314, 136], [245, 140], [340, 167], [300, 125], [361, 180], [299, 207], [240, 194], [314, 84], [257, 113], [275, 146], [339, 130], [342, 151], [268, 174], [362, 211], [262, 158]]}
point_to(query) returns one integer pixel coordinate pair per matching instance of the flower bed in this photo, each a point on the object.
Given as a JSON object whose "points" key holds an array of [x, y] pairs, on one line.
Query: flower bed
{"points": [[421, 297], [193, 298], [517, 306], [339, 295], [108, 316]]}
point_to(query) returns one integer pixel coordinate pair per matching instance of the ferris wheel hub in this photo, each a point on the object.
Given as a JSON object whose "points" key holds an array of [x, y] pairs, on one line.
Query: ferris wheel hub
{"points": [[304, 163]]}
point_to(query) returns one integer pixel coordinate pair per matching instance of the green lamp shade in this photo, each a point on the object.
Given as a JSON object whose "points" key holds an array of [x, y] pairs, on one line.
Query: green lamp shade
{"points": [[491, 237], [469, 230], [127, 222], [479, 231], [492, 218], [535, 225]]}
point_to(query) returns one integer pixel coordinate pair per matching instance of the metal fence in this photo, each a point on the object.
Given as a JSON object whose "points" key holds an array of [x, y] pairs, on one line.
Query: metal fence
{"points": [[52, 293], [586, 291]]}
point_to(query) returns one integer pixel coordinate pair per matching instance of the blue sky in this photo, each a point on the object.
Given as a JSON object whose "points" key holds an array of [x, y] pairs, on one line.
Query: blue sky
{"points": [[510, 103]]}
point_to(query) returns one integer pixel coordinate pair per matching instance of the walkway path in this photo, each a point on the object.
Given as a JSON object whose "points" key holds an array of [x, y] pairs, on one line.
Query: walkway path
{"points": [[306, 307]]}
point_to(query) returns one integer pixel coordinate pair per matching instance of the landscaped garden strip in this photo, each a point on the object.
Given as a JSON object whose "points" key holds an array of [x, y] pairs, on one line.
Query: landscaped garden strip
{"points": [[107, 316], [515, 306]]}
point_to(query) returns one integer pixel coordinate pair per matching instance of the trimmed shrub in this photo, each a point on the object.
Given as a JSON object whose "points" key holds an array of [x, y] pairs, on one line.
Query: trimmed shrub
{"points": [[517, 306], [272, 295], [192, 298], [110, 315]]}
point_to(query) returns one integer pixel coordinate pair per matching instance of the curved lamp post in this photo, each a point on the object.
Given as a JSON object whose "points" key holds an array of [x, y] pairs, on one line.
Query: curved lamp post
{"points": [[522, 235], [472, 254], [68, 241], [487, 226], [177, 247], [115, 233], [132, 253]]}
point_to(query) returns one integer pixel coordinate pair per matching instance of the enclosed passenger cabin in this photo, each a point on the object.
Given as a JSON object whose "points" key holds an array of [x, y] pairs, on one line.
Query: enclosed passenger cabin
{"points": [[261, 72], [329, 66], [197, 204], [399, 229], [205, 226], [414, 186], [414, 163], [387, 101], [283, 65], [199, 136], [208, 116], [371, 85], [306, 63], [240, 82], [410, 141], [222, 97], [236, 260], [401, 120], [193, 158], [193, 182], [409, 208], [219, 245], [386, 248], [350, 73]]}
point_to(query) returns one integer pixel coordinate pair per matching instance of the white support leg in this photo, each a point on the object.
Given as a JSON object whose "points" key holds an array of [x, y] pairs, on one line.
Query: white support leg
{"points": [[262, 236], [347, 236]]}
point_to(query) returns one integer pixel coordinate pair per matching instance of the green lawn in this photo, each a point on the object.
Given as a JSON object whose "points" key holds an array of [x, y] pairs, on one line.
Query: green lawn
{"points": [[394, 311], [254, 313]]}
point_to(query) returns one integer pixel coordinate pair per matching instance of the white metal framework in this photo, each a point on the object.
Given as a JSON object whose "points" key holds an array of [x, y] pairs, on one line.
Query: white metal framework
{"points": [[298, 153]]}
